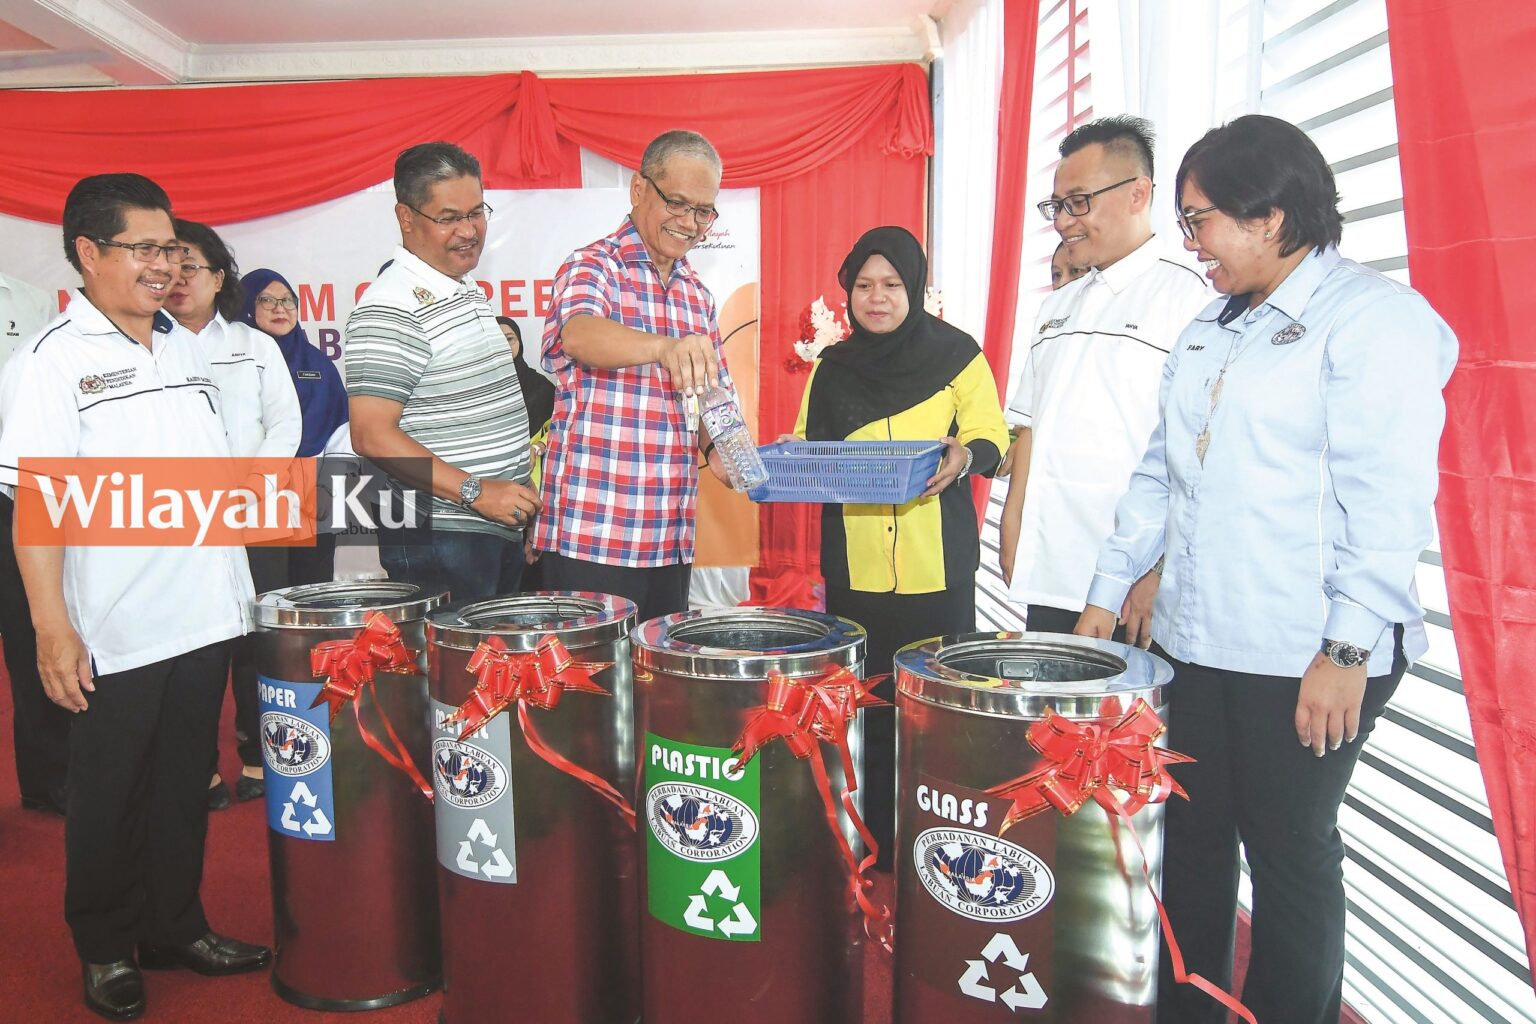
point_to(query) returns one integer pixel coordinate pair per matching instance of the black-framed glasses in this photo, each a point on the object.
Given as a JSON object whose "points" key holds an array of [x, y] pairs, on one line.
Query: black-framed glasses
{"points": [[480, 214], [189, 269], [1078, 203], [148, 252], [1187, 224], [273, 302], [703, 216]]}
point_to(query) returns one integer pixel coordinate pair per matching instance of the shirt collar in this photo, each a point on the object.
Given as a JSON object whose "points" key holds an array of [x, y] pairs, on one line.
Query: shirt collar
{"points": [[632, 250], [82, 312], [1295, 291], [1120, 274], [437, 282]]}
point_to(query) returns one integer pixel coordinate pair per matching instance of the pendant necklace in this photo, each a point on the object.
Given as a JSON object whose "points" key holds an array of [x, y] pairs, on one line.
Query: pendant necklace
{"points": [[1203, 439]]}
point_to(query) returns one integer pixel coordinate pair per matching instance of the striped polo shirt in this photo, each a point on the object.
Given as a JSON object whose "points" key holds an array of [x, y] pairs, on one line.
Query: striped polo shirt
{"points": [[431, 343]]}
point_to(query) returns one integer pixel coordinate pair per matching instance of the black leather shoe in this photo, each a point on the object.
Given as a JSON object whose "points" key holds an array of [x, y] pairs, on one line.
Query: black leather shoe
{"points": [[247, 788], [115, 990], [212, 955], [218, 797]]}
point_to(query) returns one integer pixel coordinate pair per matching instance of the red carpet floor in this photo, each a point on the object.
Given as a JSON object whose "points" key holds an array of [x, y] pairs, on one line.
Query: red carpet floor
{"points": [[40, 977]]}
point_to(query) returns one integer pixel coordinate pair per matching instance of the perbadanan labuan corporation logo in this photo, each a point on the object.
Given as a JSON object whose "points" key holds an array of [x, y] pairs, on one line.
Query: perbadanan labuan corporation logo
{"points": [[698, 823], [981, 876], [292, 746], [466, 776]]}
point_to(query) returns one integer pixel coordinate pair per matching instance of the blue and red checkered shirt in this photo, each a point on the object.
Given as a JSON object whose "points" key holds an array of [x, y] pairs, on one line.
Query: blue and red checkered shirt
{"points": [[620, 477]]}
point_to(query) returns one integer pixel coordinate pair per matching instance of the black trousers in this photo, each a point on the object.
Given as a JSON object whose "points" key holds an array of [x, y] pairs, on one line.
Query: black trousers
{"points": [[1254, 783], [312, 565], [138, 805], [658, 591], [892, 621], [41, 727], [269, 571]]}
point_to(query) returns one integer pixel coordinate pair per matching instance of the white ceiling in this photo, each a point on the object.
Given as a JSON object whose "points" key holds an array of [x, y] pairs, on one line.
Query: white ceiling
{"points": [[60, 43]]}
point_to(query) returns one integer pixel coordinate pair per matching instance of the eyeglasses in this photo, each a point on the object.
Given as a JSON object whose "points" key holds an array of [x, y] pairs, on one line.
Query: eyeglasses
{"points": [[148, 252], [703, 216], [189, 269], [1187, 224], [1077, 204], [481, 214], [273, 302]]}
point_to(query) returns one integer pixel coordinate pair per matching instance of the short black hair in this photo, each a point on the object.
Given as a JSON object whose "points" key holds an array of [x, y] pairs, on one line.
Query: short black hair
{"points": [[419, 168], [220, 258], [1124, 135], [97, 207], [1256, 164]]}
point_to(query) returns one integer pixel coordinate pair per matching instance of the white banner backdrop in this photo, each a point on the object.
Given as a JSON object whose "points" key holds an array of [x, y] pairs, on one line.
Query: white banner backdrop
{"points": [[332, 251]]}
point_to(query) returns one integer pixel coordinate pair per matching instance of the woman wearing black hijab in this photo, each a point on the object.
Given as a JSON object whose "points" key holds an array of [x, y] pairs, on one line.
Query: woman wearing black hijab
{"points": [[903, 572]]}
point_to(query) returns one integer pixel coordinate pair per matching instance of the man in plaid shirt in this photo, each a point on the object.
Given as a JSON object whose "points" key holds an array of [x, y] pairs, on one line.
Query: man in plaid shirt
{"points": [[631, 338]]}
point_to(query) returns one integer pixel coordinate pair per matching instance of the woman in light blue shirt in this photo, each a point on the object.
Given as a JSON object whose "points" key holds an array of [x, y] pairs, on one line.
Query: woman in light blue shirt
{"points": [[1289, 488]]}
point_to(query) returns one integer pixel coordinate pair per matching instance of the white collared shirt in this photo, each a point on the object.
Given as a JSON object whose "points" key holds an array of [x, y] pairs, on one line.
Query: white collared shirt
{"points": [[260, 406], [1087, 390], [82, 388], [24, 309]]}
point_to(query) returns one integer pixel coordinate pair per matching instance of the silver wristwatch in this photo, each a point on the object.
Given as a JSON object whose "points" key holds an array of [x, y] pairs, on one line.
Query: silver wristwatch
{"points": [[1345, 655], [469, 490]]}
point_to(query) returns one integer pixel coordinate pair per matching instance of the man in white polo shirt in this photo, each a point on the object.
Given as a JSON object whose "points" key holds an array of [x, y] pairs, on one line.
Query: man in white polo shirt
{"points": [[131, 639], [1087, 388], [40, 727], [433, 387]]}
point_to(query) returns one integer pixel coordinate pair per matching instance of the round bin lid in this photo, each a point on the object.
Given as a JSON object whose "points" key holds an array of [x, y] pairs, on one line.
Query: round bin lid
{"points": [[345, 603], [522, 620], [748, 643], [1019, 675]]}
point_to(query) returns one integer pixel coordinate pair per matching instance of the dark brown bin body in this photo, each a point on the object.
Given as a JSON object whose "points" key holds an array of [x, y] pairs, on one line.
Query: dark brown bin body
{"points": [[355, 917], [555, 942], [699, 678]]}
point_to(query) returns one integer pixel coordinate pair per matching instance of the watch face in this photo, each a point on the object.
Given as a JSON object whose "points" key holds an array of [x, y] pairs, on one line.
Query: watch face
{"points": [[1345, 655]]}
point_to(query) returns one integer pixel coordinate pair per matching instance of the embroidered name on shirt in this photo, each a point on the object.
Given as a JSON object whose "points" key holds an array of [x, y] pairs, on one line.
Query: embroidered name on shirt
{"points": [[1133, 327], [1194, 348], [1051, 325], [1286, 335]]}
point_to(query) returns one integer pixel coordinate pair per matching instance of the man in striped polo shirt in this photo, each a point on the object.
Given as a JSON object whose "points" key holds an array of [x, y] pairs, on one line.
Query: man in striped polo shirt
{"points": [[433, 387]]}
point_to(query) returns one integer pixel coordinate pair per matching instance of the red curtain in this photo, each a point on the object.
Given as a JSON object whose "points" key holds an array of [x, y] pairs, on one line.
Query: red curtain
{"points": [[835, 152], [1465, 89], [1021, 23]]}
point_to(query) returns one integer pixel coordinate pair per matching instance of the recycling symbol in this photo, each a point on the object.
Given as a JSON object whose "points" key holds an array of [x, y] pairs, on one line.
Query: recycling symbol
{"points": [[315, 823], [1025, 995], [496, 865], [739, 921]]}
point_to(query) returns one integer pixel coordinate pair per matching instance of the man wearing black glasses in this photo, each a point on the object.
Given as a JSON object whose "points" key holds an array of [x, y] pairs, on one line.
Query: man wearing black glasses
{"points": [[1087, 385], [132, 640], [633, 342]]}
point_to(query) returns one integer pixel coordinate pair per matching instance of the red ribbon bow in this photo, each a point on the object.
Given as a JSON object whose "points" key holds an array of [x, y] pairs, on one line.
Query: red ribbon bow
{"points": [[1092, 760], [534, 679], [802, 712], [349, 667]]}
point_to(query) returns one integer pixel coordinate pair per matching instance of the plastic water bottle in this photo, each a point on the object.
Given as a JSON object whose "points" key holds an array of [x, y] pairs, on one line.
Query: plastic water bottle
{"points": [[722, 418]]}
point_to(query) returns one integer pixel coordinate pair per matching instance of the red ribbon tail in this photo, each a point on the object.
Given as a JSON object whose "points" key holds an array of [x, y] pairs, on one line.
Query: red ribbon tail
{"points": [[400, 758], [877, 920], [1180, 975], [598, 785]]}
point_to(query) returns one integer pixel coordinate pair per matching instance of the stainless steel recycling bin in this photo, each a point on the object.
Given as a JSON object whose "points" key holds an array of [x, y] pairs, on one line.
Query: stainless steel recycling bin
{"points": [[536, 871], [354, 894], [746, 914], [1052, 921]]}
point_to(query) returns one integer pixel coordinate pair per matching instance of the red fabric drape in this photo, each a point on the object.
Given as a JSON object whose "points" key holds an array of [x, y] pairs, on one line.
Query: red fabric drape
{"points": [[835, 152], [1465, 89], [1021, 23]]}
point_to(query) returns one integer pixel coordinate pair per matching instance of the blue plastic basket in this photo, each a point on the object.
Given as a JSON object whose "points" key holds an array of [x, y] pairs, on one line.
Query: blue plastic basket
{"points": [[848, 472]]}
